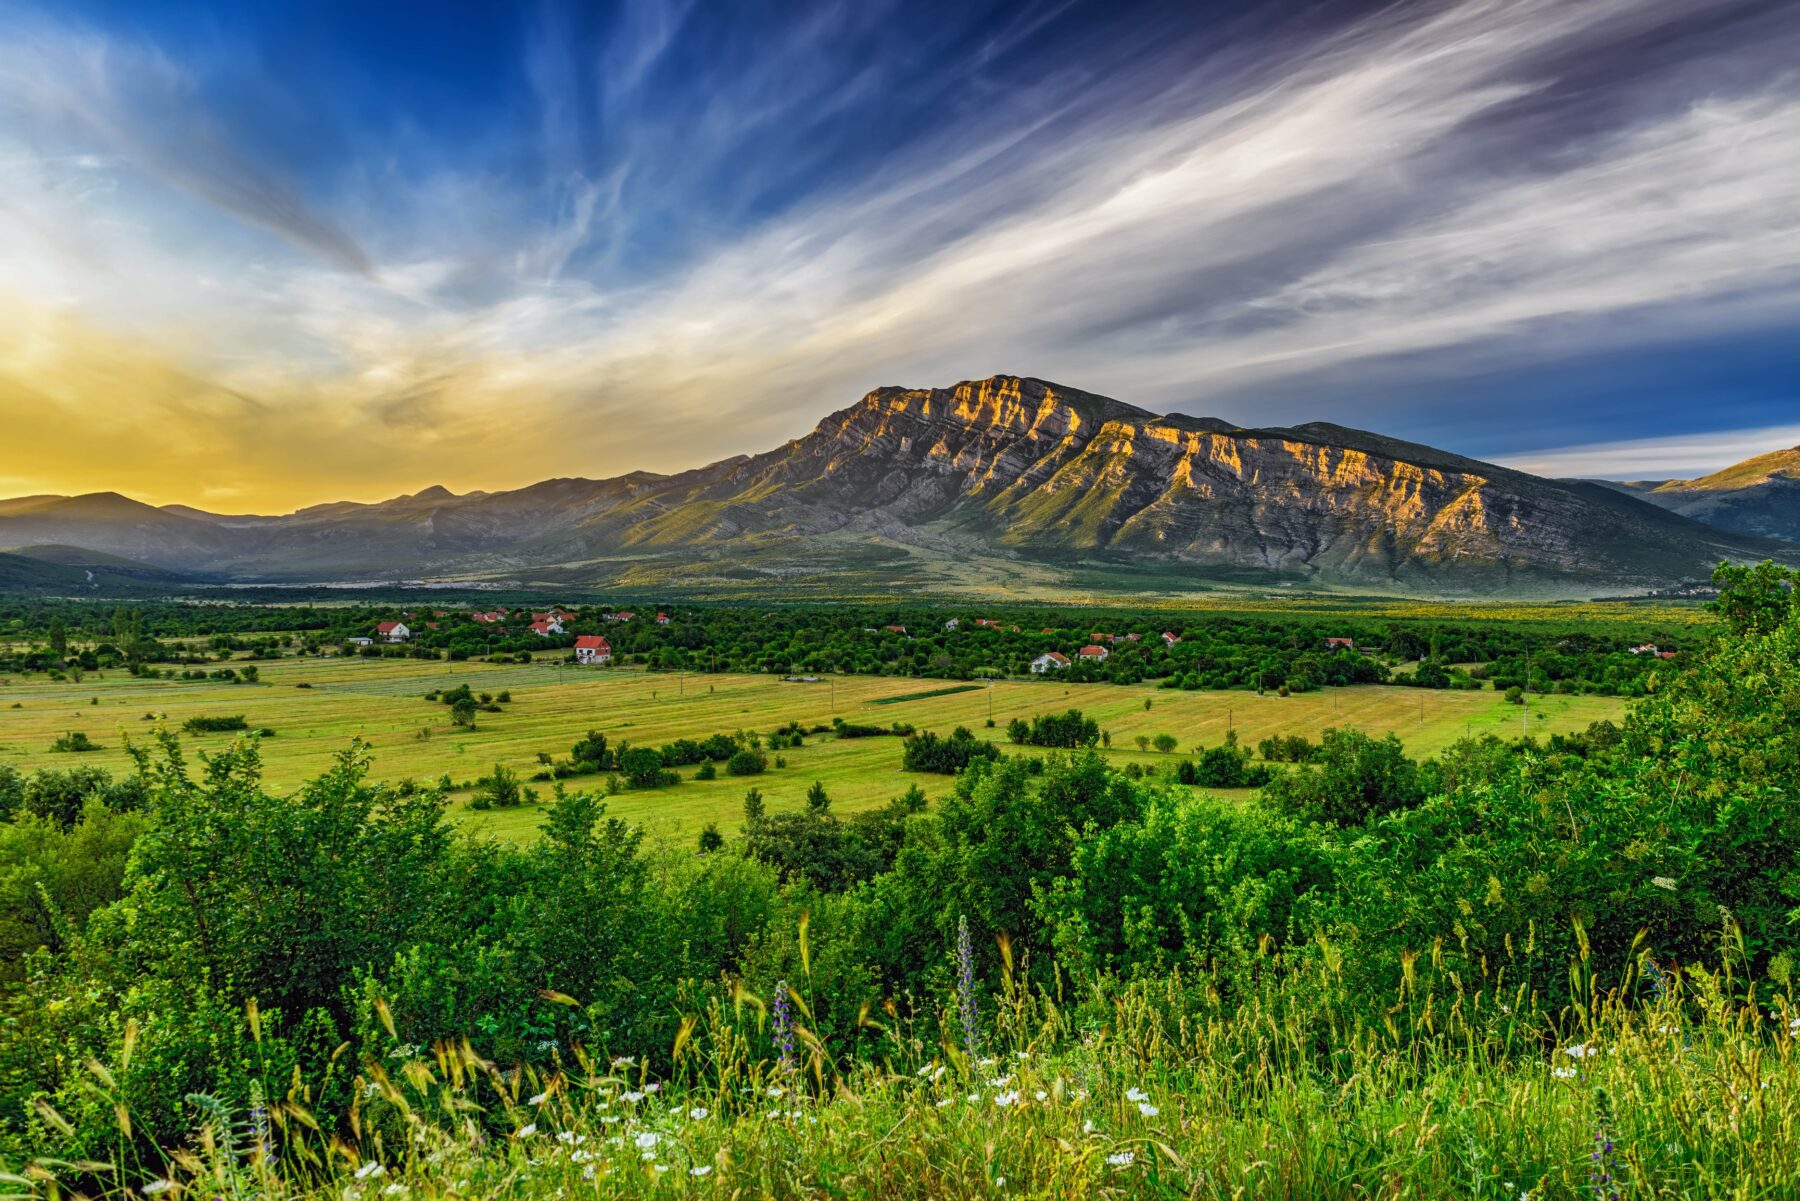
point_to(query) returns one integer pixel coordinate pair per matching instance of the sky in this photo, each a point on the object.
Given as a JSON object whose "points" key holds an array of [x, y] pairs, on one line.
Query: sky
{"points": [[258, 255]]}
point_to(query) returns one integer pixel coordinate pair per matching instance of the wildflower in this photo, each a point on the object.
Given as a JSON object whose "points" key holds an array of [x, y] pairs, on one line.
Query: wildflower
{"points": [[1663, 882], [396, 1189], [1005, 1099], [965, 981], [1021, 1054], [699, 1113], [999, 1182], [1136, 1094], [370, 1171], [647, 1140], [701, 1170], [1564, 1073], [634, 1096], [527, 1130], [661, 1167], [943, 1103], [539, 1099], [1087, 1127], [1041, 1094], [1000, 1081], [1580, 1050], [1122, 1159], [625, 1061], [783, 1017], [155, 1187], [1147, 1109]]}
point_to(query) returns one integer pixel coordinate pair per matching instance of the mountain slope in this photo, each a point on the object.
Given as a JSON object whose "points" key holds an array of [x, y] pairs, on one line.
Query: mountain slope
{"points": [[1758, 496], [995, 471]]}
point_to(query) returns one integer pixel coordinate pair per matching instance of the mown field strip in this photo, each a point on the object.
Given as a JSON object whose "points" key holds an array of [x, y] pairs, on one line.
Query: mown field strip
{"points": [[382, 701]]}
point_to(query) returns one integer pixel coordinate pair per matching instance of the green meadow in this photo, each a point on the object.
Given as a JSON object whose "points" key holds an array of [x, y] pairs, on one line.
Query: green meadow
{"points": [[317, 706]]}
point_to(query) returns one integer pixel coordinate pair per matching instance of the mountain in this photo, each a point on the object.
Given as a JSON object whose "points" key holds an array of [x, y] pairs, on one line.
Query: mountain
{"points": [[1758, 496], [74, 571], [1001, 483]]}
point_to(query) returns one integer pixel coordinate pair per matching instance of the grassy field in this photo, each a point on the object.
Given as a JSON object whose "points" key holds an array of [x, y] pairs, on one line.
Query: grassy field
{"points": [[382, 701]]}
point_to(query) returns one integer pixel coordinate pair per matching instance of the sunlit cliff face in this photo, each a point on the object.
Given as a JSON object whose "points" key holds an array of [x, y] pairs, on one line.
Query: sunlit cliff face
{"points": [[257, 259]]}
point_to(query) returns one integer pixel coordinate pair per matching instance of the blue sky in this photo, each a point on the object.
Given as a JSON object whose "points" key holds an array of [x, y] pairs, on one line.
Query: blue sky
{"points": [[266, 254]]}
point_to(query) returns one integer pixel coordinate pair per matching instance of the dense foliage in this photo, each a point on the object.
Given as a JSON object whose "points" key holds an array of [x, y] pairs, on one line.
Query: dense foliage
{"points": [[253, 946], [1297, 652]]}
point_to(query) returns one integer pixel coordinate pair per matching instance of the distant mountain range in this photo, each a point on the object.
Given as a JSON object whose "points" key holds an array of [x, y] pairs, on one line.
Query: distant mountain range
{"points": [[1758, 496], [1003, 484]]}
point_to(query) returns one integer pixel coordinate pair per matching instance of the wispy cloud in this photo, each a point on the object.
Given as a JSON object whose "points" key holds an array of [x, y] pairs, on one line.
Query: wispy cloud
{"points": [[702, 240], [1687, 456]]}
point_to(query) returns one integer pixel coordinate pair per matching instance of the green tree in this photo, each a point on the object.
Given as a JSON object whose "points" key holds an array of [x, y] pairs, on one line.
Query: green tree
{"points": [[817, 801]]}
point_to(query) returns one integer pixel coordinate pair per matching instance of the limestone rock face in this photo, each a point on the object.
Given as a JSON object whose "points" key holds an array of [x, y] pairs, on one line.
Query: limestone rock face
{"points": [[1008, 467]]}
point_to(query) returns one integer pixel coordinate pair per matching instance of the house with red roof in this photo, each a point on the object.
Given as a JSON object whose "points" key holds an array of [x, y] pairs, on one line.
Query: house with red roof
{"points": [[592, 648], [1051, 661], [1093, 654], [1169, 639], [1340, 644], [393, 631]]}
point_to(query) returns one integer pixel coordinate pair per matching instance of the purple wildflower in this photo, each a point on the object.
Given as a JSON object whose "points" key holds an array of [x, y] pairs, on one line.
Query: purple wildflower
{"points": [[965, 988], [784, 1026]]}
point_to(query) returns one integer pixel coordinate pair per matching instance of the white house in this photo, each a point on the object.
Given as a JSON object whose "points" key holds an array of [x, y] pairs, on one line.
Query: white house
{"points": [[1096, 654], [394, 631], [543, 629], [592, 648], [1051, 661]]}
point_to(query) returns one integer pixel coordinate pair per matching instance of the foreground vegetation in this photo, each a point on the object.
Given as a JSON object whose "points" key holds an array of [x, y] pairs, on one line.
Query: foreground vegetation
{"points": [[1554, 969]]}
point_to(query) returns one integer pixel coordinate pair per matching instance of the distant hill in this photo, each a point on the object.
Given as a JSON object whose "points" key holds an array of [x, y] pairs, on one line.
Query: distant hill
{"points": [[1758, 496], [77, 571], [992, 480]]}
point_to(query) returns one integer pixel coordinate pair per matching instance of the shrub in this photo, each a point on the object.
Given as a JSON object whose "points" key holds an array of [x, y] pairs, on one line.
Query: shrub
{"points": [[214, 725], [1357, 777], [746, 763], [74, 742], [501, 790], [1069, 730], [946, 756]]}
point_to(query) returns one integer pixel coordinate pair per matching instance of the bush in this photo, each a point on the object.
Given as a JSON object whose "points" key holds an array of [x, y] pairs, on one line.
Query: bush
{"points": [[746, 763], [946, 756], [501, 790], [1067, 730], [214, 725], [1357, 777], [74, 742]]}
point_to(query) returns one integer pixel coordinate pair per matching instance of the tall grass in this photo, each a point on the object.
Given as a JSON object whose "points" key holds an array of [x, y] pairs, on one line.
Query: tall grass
{"points": [[1664, 1083]]}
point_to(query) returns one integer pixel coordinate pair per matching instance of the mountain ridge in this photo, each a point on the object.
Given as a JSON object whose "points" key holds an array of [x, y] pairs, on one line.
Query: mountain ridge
{"points": [[1007, 469], [1758, 496]]}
